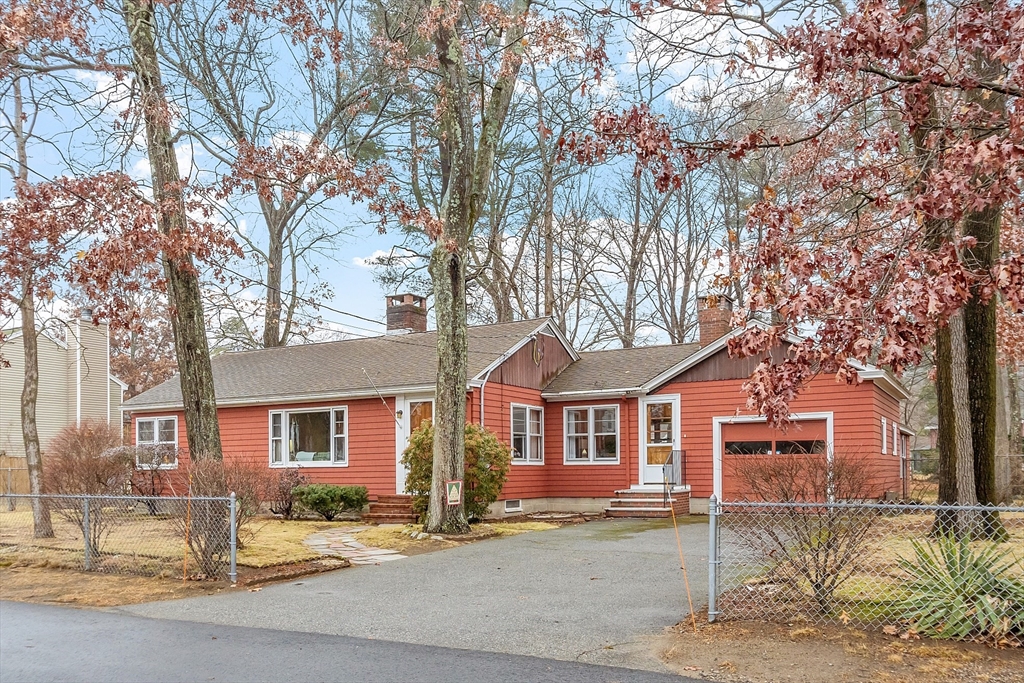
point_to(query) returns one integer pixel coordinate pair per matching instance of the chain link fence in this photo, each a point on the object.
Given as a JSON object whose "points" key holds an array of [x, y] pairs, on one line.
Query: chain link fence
{"points": [[901, 568], [194, 537]]}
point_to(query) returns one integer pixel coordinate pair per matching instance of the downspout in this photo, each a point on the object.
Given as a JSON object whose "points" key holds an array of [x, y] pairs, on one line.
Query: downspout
{"points": [[107, 384], [78, 372], [483, 385]]}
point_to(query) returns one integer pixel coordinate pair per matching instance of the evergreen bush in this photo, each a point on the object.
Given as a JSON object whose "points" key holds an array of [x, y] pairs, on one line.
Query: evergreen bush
{"points": [[328, 500], [487, 463]]}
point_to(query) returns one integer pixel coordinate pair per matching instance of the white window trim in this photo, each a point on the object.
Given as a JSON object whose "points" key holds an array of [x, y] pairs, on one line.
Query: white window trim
{"points": [[885, 437], [717, 443], [896, 439], [566, 460], [284, 437], [155, 419], [511, 413]]}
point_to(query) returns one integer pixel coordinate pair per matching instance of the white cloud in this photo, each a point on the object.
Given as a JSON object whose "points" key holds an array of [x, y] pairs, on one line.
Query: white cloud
{"points": [[381, 257]]}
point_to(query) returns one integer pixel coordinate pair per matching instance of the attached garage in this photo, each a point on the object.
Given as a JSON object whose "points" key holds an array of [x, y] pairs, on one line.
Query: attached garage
{"points": [[746, 440]]}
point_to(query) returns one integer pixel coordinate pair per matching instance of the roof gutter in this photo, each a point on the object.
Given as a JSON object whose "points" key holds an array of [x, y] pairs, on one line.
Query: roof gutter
{"points": [[591, 393], [273, 400]]}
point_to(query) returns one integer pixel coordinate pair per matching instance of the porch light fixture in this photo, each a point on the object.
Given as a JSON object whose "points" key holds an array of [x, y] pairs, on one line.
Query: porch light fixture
{"points": [[398, 413]]}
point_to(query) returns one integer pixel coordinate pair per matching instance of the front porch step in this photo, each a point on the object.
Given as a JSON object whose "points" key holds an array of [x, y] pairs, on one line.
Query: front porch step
{"points": [[391, 509], [650, 493], [390, 519], [641, 502], [649, 503], [395, 498]]}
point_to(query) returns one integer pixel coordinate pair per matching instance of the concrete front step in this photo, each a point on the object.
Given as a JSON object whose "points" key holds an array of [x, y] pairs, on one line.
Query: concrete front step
{"points": [[643, 513], [649, 493], [641, 502]]}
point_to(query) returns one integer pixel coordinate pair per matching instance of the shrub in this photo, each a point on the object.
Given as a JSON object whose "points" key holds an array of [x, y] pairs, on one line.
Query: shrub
{"points": [[251, 481], [818, 544], [958, 593], [85, 459], [282, 495], [327, 500], [487, 463]]}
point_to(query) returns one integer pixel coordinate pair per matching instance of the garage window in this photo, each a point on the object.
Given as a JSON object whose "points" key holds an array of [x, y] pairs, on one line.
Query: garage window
{"points": [[757, 438]]}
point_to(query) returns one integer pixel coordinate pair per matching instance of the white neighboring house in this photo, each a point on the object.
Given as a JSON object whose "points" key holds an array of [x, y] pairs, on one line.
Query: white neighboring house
{"points": [[75, 383]]}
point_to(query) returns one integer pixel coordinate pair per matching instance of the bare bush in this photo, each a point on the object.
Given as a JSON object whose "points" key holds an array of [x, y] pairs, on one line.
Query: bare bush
{"points": [[252, 483], [810, 544], [282, 494], [84, 459]]}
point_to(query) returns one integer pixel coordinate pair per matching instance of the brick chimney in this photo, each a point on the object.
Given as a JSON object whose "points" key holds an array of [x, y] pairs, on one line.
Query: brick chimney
{"points": [[406, 313], [714, 317]]}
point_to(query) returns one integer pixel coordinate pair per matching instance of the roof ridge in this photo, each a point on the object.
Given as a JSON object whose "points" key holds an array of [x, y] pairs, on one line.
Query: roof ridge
{"points": [[403, 335], [642, 348]]}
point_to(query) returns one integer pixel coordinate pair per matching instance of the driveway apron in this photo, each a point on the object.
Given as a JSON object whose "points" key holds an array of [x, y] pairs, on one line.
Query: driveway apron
{"points": [[596, 592]]}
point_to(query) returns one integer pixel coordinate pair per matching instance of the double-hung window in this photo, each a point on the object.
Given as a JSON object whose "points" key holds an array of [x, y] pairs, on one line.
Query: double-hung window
{"points": [[592, 434], [156, 440], [527, 434], [309, 437]]}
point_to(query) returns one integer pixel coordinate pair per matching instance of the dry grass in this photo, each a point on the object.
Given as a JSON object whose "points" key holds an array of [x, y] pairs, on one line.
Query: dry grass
{"points": [[55, 586], [151, 542], [279, 541], [768, 653]]}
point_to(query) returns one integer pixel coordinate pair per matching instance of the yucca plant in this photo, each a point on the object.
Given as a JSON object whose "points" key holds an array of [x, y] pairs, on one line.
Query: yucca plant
{"points": [[961, 593]]}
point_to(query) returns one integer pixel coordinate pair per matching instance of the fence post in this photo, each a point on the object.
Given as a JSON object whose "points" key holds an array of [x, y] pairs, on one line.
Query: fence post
{"points": [[233, 572], [713, 558], [10, 490], [85, 533]]}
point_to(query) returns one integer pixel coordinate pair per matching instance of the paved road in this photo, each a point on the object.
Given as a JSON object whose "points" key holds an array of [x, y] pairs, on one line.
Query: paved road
{"points": [[597, 592], [42, 643]]}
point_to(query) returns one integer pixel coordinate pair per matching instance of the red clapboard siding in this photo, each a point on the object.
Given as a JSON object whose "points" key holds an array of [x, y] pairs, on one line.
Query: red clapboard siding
{"points": [[589, 480], [245, 435], [857, 429], [857, 412], [524, 481]]}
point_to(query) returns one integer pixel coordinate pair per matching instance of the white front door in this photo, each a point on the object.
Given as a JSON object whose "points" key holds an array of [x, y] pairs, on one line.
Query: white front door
{"points": [[415, 411], [659, 436]]}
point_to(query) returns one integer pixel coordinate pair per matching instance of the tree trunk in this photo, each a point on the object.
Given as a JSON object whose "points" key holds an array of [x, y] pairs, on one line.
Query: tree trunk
{"points": [[447, 270], [275, 261], [980, 320], [183, 290], [41, 524], [549, 240], [1013, 374], [982, 370], [956, 455], [466, 178], [956, 451]]}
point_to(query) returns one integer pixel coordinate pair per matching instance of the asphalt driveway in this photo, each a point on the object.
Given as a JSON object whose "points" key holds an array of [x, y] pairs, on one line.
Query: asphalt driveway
{"points": [[597, 593]]}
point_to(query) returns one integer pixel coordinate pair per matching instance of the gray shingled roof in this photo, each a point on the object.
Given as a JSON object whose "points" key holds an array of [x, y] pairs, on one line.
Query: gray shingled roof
{"points": [[338, 367], [619, 368]]}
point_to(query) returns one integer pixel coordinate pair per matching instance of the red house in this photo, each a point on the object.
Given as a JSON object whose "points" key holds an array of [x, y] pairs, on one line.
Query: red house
{"points": [[590, 431]]}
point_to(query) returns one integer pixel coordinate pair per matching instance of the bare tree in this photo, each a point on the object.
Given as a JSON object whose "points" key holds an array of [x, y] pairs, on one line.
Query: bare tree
{"points": [[288, 101]]}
